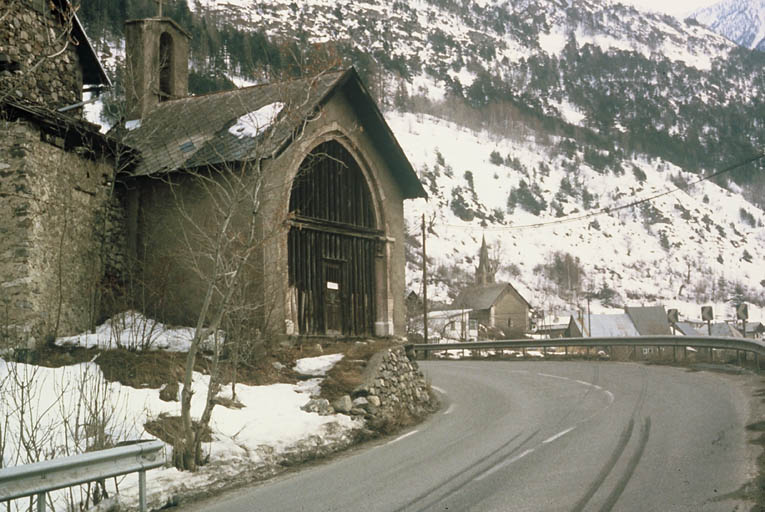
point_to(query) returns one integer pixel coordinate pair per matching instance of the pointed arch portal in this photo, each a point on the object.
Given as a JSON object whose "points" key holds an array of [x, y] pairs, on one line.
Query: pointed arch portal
{"points": [[332, 244]]}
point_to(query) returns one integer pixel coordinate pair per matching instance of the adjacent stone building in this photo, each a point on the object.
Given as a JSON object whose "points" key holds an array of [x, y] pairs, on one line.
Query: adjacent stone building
{"points": [[56, 173]]}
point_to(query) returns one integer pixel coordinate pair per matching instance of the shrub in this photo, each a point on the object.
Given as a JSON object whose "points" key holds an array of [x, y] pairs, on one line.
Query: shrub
{"points": [[639, 174], [747, 217], [496, 158], [528, 198]]}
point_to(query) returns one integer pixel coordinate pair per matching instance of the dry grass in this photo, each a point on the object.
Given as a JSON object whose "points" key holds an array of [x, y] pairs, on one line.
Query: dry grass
{"points": [[169, 429], [345, 376]]}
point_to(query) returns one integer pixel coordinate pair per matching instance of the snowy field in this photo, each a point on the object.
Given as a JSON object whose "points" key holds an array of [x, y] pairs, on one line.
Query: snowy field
{"points": [[53, 412]]}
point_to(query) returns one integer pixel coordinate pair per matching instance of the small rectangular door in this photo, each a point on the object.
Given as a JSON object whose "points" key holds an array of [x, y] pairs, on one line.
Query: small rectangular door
{"points": [[333, 298]]}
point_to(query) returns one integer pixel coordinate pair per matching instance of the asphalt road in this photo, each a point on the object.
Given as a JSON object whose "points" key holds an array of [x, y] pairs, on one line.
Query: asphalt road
{"points": [[540, 436]]}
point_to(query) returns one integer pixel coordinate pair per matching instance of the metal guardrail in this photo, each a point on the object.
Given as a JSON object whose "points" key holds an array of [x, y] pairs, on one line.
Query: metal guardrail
{"points": [[41, 477], [757, 347]]}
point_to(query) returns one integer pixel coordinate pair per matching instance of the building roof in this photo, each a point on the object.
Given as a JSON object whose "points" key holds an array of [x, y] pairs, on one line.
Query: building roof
{"points": [[721, 329], [73, 131], [93, 72], [649, 320], [484, 296], [196, 131], [755, 327], [686, 329], [602, 325]]}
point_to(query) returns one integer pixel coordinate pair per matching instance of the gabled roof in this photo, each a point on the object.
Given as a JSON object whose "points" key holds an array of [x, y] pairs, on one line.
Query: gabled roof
{"points": [[195, 131], [484, 296], [92, 71], [649, 320], [721, 329], [601, 325]]}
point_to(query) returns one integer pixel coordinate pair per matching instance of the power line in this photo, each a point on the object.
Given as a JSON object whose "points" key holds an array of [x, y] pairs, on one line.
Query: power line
{"points": [[610, 209]]}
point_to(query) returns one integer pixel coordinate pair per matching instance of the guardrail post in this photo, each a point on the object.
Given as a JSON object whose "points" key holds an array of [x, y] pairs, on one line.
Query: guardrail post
{"points": [[142, 491], [41, 502]]}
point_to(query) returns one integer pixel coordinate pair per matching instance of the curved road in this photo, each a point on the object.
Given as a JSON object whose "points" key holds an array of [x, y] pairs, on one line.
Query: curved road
{"points": [[544, 436]]}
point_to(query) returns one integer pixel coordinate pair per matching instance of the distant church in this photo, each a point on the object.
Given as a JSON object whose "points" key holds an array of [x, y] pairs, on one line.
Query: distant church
{"points": [[81, 240], [494, 305]]}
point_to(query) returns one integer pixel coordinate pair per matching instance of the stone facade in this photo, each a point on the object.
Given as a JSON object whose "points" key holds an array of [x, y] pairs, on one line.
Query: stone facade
{"points": [[393, 394], [394, 391], [43, 66], [52, 201]]}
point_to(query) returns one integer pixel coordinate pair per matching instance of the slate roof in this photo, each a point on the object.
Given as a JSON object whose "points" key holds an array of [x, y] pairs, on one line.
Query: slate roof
{"points": [[484, 296], [686, 329], [721, 329], [649, 320], [194, 131], [754, 327], [601, 325]]}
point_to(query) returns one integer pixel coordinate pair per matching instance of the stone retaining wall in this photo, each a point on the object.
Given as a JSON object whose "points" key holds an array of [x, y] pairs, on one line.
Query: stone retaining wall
{"points": [[393, 393]]}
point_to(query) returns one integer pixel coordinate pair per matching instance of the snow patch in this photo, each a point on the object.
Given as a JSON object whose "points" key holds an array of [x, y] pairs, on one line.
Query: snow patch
{"points": [[254, 123]]}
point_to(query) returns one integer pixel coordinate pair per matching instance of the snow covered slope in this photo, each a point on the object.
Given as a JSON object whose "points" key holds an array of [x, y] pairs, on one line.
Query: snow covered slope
{"points": [[741, 21], [693, 246]]}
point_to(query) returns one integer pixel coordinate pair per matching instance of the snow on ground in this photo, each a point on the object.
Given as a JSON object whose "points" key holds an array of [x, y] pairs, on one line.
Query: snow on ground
{"points": [[133, 331], [60, 410], [317, 365]]}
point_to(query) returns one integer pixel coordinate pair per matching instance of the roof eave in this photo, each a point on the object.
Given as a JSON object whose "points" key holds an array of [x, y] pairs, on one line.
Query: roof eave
{"points": [[411, 186]]}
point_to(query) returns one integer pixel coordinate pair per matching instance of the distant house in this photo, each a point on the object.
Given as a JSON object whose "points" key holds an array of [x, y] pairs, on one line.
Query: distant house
{"points": [[721, 329], [597, 326], [497, 305], [553, 326], [686, 329], [451, 324], [635, 321], [755, 330], [649, 320]]}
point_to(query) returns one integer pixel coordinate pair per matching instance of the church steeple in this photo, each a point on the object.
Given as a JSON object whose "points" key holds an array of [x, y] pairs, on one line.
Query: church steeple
{"points": [[157, 55], [483, 273]]}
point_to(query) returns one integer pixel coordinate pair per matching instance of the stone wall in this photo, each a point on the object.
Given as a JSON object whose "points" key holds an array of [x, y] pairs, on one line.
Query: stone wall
{"points": [[32, 35], [393, 393], [51, 213]]}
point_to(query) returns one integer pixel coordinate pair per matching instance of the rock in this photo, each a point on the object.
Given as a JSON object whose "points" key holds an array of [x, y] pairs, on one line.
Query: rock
{"points": [[169, 392], [277, 365], [360, 402], [374, 400], [343, 404], [357, 411], [320, 406]]}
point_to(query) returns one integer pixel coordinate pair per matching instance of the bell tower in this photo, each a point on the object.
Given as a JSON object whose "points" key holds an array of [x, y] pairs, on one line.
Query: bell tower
{"points": [[157, 55]]}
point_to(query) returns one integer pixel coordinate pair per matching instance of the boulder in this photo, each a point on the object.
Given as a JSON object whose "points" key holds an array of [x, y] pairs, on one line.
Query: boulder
{"points": [[343, 404]]}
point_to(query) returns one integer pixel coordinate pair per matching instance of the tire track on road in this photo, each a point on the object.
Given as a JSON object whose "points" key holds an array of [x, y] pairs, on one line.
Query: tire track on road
{"points": [[619, 449]]}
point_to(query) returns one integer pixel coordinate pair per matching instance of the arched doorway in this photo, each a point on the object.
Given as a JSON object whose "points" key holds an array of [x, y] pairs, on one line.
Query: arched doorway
{"points": [[332, 245]]}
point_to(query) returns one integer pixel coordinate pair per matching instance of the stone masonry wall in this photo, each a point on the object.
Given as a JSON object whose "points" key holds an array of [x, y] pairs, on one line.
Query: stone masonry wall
{"points": [[51, 213], [32, 34]]}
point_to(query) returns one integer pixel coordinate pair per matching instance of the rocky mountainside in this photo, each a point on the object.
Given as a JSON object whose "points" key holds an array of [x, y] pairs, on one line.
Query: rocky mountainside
{"points": [[534, 112], [741, 21]]}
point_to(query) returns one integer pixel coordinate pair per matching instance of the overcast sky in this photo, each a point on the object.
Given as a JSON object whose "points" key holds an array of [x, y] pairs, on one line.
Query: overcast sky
{"points": [[679, 8]]}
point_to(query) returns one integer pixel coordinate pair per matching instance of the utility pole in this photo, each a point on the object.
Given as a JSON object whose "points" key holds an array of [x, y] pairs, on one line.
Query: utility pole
{"points": [[424, 283]]}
